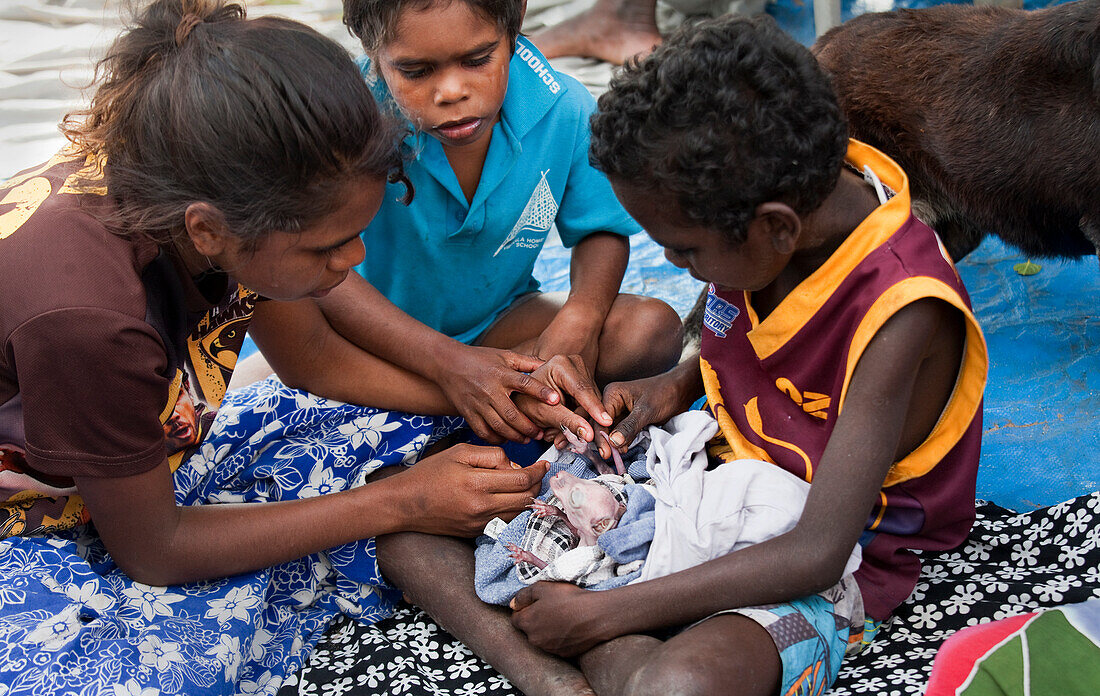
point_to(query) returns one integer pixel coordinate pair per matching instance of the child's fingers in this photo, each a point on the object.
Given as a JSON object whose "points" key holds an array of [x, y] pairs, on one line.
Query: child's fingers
{"points": [[521, 362], [523, 599], [526, 384], [628, 428], [482, 457], [481, 428], [507, 420], [512, 489], [584, 392]]}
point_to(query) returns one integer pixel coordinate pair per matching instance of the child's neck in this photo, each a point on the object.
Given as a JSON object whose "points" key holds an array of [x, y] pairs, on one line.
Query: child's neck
{"points": [[467, 163], [823, 231]]}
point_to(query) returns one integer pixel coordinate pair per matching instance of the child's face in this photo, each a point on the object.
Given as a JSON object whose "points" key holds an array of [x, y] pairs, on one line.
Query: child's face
{"points": [[447, 68], [707, 254], [310, 263]]}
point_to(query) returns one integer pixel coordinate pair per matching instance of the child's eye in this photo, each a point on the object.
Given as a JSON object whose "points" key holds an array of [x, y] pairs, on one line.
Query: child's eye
{"points": [[412, 73], [480, 60]]}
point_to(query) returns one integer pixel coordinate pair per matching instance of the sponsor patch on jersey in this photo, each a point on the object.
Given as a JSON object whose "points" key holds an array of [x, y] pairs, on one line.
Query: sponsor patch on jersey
{"points": [[719, 315]]}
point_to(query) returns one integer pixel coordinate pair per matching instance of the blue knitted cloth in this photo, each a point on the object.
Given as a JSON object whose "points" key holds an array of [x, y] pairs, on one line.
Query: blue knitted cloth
{"points": [[497, 577]]}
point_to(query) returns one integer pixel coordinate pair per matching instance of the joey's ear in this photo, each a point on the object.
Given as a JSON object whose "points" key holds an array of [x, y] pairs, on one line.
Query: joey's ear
{"points": [[522, 11], [206, 229], [601, 526], [782, 225]]}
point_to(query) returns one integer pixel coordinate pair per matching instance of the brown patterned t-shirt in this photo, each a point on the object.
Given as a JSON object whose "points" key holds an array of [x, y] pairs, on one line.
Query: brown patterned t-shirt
{"points": [[113, 357]]}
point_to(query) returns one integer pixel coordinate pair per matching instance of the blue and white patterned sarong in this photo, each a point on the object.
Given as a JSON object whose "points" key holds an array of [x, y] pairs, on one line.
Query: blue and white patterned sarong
{"points": [[72, 623]]}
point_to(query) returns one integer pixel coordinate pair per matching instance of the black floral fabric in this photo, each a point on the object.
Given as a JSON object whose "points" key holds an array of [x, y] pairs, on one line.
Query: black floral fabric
{"points": [[1012, 563]]}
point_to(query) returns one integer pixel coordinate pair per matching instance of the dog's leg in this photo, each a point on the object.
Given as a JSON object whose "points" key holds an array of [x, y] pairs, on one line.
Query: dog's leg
{"points": [[960, 236]]}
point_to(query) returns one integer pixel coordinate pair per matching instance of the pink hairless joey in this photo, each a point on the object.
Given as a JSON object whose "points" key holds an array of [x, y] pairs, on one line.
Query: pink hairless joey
{"points": [[588, 508], [589, 449]]}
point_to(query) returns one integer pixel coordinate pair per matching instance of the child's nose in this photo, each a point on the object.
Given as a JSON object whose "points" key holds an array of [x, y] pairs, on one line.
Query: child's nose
{"points": [[451, 88], [348, 256], [675, 258]]}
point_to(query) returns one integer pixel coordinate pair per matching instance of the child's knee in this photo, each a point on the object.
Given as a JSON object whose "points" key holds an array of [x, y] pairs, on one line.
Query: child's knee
{"points": [[672, 673], [650, 332], [727, 655]]}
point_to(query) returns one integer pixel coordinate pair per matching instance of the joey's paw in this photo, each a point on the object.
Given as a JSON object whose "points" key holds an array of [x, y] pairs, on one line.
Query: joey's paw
{"points": [[541, 508]]}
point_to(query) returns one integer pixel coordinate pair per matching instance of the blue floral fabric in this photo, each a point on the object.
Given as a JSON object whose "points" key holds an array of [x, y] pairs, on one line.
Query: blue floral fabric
{"points": [[72, 623]]}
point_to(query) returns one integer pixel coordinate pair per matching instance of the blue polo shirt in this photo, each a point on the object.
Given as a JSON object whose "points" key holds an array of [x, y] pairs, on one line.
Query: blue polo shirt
{"points": [[456, 265]]}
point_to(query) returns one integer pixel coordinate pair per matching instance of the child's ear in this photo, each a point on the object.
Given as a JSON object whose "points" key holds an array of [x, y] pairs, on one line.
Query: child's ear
{"points": [[782, 225], [522, 12], [206, 229]]}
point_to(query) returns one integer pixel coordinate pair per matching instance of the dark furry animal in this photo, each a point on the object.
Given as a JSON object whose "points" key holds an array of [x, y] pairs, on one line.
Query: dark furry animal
{"points": [[994, 114]]}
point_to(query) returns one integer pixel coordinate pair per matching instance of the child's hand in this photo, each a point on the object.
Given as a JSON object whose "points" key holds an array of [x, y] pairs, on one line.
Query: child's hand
{"points": [[572, 332], [458, 490], [641, 403], [479, 382], [560, 618], [569, 377]]}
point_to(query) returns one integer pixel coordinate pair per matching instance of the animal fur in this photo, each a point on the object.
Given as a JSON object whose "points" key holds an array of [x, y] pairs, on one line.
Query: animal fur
{"points": [[994, 114]]}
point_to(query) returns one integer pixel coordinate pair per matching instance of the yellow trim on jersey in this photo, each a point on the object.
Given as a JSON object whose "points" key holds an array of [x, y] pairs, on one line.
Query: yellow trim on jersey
{"points": [[967, 394], [176, 459], [756, 422], [739, 447], [70, 516], [804, 301], [883, 502]]}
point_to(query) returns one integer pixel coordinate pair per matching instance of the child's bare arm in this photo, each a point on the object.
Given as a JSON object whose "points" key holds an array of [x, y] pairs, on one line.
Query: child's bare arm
{"points": [[156, 542], [595, 274], [877, 412], [358, 347], [307, 353]]}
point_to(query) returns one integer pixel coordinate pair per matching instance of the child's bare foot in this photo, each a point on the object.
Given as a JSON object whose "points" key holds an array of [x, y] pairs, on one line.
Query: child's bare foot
{"points": [[612, 31]]}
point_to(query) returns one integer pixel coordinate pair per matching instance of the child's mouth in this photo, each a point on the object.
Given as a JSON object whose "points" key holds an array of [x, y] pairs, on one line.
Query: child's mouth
{"points": [[460, 130]]}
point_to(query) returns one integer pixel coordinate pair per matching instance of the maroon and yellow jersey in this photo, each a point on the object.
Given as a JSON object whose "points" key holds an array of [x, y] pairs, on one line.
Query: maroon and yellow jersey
{"points": [[777, 386]]}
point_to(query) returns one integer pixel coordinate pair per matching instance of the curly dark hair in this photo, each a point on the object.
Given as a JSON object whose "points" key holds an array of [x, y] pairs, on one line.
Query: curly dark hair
{"points": [[725, 115], [372, 21]]}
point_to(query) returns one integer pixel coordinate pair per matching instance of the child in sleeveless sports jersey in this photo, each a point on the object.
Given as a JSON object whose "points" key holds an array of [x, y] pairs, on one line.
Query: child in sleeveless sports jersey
{"points": [[838, 344], [500, 147]]}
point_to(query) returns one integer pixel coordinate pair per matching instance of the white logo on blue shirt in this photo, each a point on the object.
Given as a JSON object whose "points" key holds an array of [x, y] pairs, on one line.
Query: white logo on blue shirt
{"points": [[538, 215], [719, 315], [545, 73]]}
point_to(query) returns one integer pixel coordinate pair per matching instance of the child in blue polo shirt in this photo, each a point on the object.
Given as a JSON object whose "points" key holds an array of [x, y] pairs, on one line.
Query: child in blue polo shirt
{"points": [[499, 147]]}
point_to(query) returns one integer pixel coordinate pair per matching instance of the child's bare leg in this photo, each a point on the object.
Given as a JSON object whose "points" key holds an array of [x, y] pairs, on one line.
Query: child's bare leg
{"points": [[642, 336], [727, 654], [612, 30], [249, 370], [437, 574], [610, 666]]}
